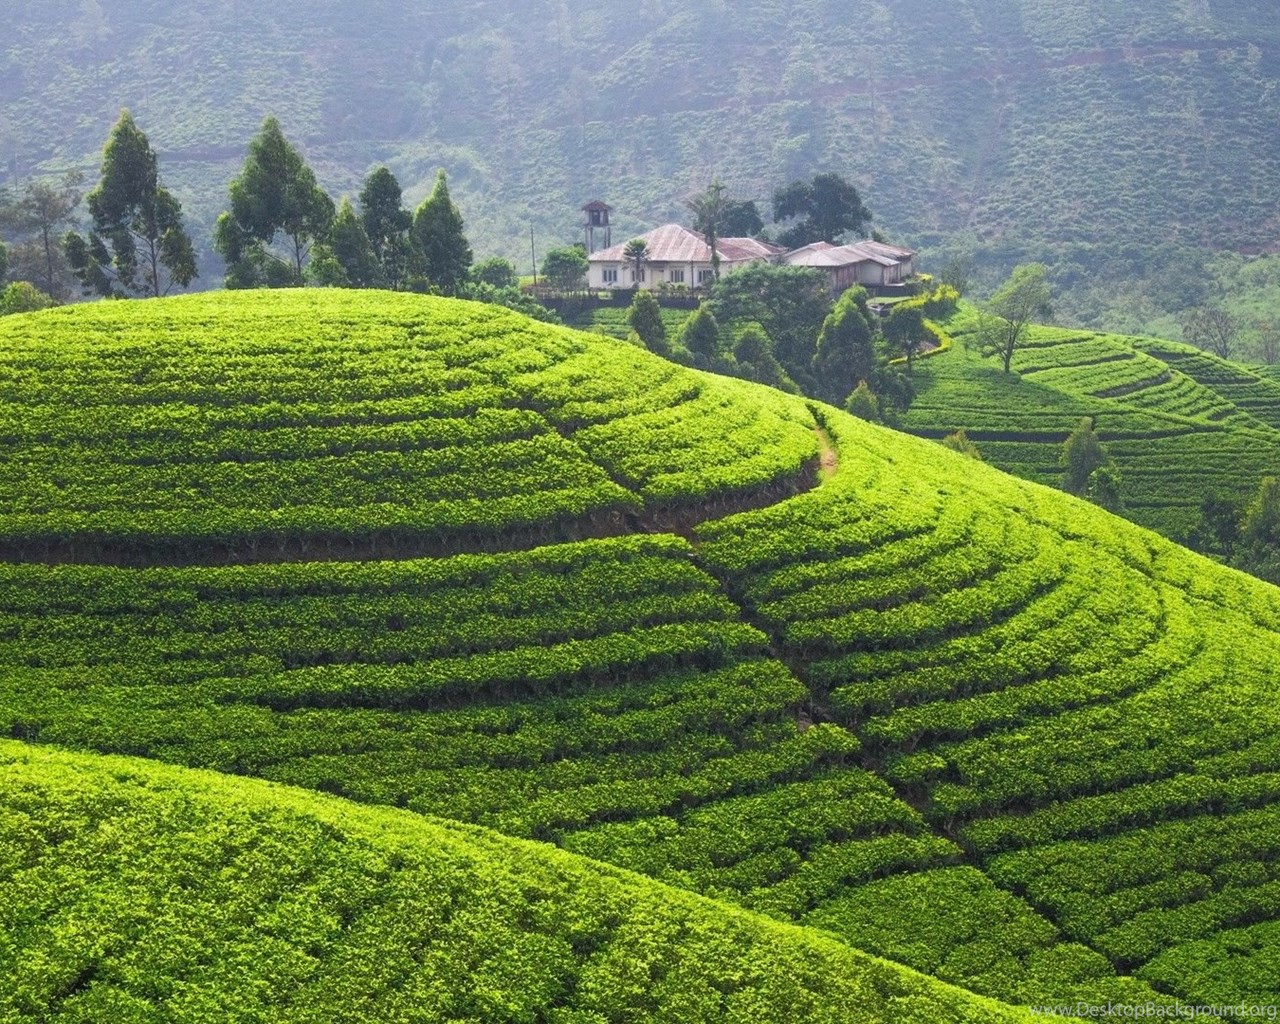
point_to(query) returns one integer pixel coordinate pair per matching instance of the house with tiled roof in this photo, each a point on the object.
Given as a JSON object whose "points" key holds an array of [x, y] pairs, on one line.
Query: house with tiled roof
{"points": [[677, 257], [868, 263]]}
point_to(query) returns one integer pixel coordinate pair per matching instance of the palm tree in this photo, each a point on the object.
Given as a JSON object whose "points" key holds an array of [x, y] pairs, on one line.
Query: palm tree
{"points": [[708, 210], [637, 254]]}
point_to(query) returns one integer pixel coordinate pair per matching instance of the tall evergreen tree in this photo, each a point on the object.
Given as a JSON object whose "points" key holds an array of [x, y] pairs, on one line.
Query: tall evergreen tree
{"points": [[386, 225], [352, 250], [754, 354], [1082, 453], [864, 403], [701, 336], [137, 245], [645, 318], [846, 348], [437, 236], [275, 193]]}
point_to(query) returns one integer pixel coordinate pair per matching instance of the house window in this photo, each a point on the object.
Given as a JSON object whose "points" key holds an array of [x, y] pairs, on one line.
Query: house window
{"points": [[677, 277], [704, 276], [610, 277], [637, 276]]}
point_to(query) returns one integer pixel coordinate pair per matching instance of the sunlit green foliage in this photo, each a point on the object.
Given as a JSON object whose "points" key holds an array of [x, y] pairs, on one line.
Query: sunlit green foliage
{"points": [[22, 297], [1178, 425], [138, 893], [322, 417], [947, 716], [646, 323], [1039, 677]]}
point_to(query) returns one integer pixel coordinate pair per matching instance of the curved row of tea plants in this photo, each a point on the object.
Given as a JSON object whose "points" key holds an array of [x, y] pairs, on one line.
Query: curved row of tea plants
{"points": [[1245, 387], [1179, 425], [1089, 709], [575, 690], [136, 892], [603, 695], [267, 420]]}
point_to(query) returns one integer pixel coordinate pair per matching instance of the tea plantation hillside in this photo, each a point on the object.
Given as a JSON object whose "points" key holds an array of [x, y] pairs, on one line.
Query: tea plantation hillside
{"points": [[1180, 424], [136, 892], [945, 716], [307, 422]]}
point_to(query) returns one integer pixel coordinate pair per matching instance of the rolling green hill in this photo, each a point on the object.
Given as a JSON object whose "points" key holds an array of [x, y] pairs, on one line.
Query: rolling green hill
{"points": [[1179, 423], [1119, 142], [136, 892], [750, 647]]}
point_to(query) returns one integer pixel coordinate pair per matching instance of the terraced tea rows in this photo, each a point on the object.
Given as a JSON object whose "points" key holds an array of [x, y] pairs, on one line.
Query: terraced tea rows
{"points": [[603, 695], [1180, 425], [265, 427], [1243, 387], [139, 892], [539, 693], [946, 716], [1087, 709]]}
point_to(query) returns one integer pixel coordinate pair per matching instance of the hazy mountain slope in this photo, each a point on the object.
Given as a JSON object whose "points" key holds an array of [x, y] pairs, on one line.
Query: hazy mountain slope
{"points": [[1101, 137]]}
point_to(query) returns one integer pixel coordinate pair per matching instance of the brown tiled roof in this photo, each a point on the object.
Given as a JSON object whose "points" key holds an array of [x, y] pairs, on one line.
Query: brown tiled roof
{"points": [[746, 249], [673, 243], [894, 251], [824, 254]]}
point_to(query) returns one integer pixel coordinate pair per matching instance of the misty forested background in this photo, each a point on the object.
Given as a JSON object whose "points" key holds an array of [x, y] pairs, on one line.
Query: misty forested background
{"points": [[1134, 148]]}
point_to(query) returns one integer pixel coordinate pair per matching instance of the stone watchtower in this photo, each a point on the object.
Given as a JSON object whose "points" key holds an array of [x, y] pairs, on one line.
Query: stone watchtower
{"points": [[596, 230]]}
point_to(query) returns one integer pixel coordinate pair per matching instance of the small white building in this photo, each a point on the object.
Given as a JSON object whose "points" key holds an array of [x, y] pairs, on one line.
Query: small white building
{"points": [[868, 263], [677, 257]]}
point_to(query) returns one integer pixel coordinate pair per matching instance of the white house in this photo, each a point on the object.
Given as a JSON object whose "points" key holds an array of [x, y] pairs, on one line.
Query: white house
{"points": [[677, 256], [869, 263]]}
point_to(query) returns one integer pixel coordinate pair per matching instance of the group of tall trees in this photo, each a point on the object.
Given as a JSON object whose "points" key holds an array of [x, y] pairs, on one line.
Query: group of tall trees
{"points": [[1246, 536], [283, 229], [737, 349]]}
